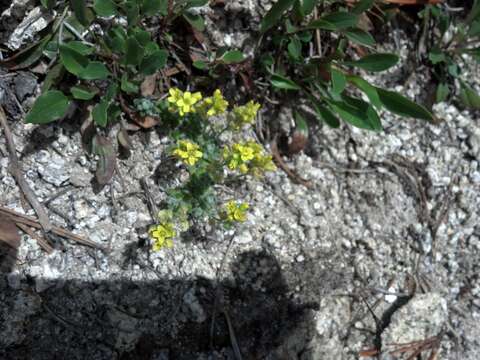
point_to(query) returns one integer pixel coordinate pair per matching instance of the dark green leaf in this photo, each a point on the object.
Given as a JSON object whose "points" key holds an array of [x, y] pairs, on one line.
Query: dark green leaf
{"points": [[375, 62], [80, 47], [362, 6], [82, 93], [436, 56], [367, 89], [400, 105], [50, 106], [49, 4], [105, 7], [99, 113], [134, 54], [133, 12], [154, 62], [127, 86], [154, 7], [80, 10], [295, 48], [442, 92], [308, 6], [338, 81], [282, 82], [199, 64], [469, 97], [195, 20], [232, 57], [358, 113], [95, 70], [335, 21], [324, 114], [474, 29], [55, 73], [274, 14], [360, 37], [73, 61]]}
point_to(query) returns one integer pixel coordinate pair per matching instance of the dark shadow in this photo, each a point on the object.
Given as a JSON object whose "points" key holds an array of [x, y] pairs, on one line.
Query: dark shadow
{"points": [[164, 319]]}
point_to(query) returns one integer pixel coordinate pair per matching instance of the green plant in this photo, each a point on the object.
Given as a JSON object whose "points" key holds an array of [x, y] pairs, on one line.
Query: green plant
{"points": [[196, 125], [100, 55], [447, 38], [325, 78]]}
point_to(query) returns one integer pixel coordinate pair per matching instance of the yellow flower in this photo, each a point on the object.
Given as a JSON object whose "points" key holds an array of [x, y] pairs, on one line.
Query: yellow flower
{"points": [[235, 211], [183, 101], [188, 152], [162, 235], [245, 114]]}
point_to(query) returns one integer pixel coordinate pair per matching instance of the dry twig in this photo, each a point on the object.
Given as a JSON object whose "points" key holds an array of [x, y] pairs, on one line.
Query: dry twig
{"points": [[16, 172]]}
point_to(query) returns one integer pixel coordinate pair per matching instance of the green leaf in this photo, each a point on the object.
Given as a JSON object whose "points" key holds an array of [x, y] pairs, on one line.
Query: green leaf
{"points": [[469, 97], [82, 93], [55, 73], [127, 86], [295, 48], [338, 81], [99, 113], [73, 61], [362, 6], [195, 20], [201, 65], [105, 8], [400, 105], [375, 62], [80, 47], [49, 106], [360, 37], [49, 4], [282, 82], [80, 10], [324, 114], [274, 14], [474, 29], [95, 70], [436, 56], [335, 21], [442, 92], [154, 62], [357, 113], [134, 52], [133, 12], [152, 7], [367, 89], [308, 6], [232, 57]]}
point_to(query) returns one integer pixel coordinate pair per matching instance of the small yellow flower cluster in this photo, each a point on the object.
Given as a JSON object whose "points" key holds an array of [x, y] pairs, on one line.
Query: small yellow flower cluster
{"points": [[188, 152], [214, 105], [248, 157], [245, 114], [236, 211], [162, 235], [183, 102]]}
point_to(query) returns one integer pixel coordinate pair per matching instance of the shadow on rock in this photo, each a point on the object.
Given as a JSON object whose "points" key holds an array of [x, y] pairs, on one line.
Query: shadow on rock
{"points": [[164, 319]]}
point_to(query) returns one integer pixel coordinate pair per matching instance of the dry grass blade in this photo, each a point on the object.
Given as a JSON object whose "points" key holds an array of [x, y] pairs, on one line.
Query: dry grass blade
{"points": [[27, 220], [17, 174], [8, 232]]}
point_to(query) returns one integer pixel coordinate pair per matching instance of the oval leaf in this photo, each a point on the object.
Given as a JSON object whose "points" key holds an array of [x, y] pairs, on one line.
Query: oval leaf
{"points": [[400, 105], [154, 62], [360, 37], [275, 13], [232, 57], [375, 62], [282, 82], [105, 7], [50, 106]]}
